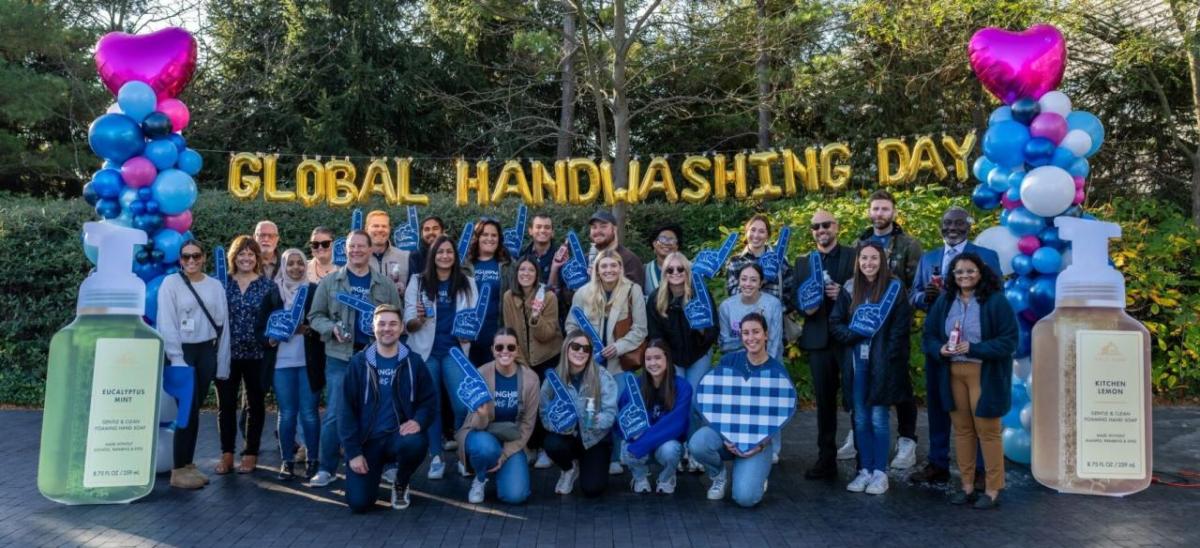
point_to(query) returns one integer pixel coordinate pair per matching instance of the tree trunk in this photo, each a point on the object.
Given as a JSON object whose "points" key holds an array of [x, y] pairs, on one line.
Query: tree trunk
{"points": [[566, 117], [761, 70], [620, 112]]}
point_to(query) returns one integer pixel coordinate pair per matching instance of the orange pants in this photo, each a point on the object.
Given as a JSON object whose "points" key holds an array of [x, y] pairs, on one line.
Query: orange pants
{"points": [[964, 385]]}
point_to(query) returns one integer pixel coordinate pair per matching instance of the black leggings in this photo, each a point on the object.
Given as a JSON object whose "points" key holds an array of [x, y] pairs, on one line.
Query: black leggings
{"points": [[250, 372], [593, 461], [202, 357]]}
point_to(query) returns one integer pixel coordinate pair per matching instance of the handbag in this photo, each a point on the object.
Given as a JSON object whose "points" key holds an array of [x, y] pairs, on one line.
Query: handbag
{"points": [[504, 431], [632, 360]]}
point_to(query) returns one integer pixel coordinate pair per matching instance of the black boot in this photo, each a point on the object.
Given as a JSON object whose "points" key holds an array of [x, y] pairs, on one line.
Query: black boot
{"points": [[287, 471]]}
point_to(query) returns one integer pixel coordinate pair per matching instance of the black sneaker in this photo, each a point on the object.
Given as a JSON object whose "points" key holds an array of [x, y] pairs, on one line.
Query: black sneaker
{"points": [[311, 467], [959, 497], [930, 473], [287, 471], [980, 482], [400, 498], [986, 502], [821, 470]]}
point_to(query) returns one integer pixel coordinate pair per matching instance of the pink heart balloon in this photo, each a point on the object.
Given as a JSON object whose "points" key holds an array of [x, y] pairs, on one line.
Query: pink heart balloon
{"points": [[165, 59], [1014, 65]]}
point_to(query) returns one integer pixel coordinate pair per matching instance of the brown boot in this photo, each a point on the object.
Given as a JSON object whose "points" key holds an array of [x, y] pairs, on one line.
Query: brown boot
{"points": [[191, 468], [225, 465], [249, 463], [181, 479]]}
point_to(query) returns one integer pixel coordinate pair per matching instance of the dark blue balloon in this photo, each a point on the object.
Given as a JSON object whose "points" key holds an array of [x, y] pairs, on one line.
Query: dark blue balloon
{"points": [[1022, 264], [1019, 300], [178, 140], [154, 222], [108, 208], [981, 168], [1041, 295], [152, 206], [145, 193], [997, 180], [984, 198], [174, 268], [1049, 238], [157, 255], [107, 183], [141, 222], [1063, 158], [190, 162], [116, 137], [1004, 143], [1047, 260], [156, 125], [162, 153], [1074, 211], [1025, 110], [168, 242], [1039, 147], [141, 256], [147, 271], [1023, 222], [89, 194], [1024, 283], [1079, 168], [137, 207], [1024, 337]]}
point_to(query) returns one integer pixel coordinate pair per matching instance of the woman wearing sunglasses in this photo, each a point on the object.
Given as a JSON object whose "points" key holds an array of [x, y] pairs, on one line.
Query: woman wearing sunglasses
{"points": [[320, 244], [531, 310], [976, 371], [585, 451], [192, 319], [493, 438]]}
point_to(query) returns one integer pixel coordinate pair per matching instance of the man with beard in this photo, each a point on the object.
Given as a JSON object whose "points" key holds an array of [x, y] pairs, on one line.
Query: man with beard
{"points": [[431, 228], [386, 259], [927, 285], [903, 254], [602, 228]]}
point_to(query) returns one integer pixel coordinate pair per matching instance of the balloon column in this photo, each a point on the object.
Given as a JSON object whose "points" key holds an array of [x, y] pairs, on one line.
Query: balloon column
{"points": [[145, 181], [1035, 168]]}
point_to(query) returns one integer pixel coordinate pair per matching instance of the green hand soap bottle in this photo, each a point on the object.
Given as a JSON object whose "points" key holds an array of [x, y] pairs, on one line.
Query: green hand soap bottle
{"points": [[100, 423]]}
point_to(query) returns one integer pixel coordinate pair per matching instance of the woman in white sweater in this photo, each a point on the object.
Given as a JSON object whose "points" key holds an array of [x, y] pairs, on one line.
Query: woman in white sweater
{"points": [[194, 335]]}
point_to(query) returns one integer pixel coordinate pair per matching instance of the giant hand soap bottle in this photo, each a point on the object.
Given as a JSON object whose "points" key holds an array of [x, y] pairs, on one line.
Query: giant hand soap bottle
{"points": [[102, 385], [1091, 376]]}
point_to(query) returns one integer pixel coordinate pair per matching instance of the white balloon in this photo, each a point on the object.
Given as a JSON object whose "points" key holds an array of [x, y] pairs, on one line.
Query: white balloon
{"points": [[1077, 141], [1003, 242], [1056, 102], [1026, 415], [1047, 191]]}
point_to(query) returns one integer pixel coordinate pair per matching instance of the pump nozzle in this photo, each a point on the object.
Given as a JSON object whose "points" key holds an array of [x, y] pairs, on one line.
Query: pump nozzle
{"points": [[1090, 280], [113, 287]]}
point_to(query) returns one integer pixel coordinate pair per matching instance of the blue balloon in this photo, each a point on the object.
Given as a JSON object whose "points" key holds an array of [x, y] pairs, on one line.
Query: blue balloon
{"points": [[1004, 143], [981, 168], [1063, 158], [109, 164], [1022, 264], [1091, 125], [1074, 211], [1041, 295], [1047, 260], [137, 100], [997, 180], [1018, 445], [168, 241], [128, 197], [188, 236], [1079, 168], [152, 298], [125, 219], [1012, 419], [89, 194], [1024, 283], [178, 140], [148, 270], [115, 137], [190, 162], [1022, 222], [107, 183], [1025, 110], [162, 153], [1001, 114], [1049, 238], [1004, 217], [1014, 191], [138, 207], [984, 198], [175, 191], [1024, 338], [157, 125], [145, 193], [1019, 300], [172, 269], [152, 206], [1015, 179], [108, 208], [1039, 147]]}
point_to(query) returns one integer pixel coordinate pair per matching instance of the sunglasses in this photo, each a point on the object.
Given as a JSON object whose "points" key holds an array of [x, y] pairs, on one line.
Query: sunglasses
{"points": [[191, 257], [504, 348], [576, 347], [821, 225], [323, 244], [674, 270]]}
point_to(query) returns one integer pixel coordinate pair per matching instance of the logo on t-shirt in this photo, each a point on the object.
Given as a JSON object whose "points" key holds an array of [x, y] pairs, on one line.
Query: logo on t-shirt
{"points": [[506, 399], [386, 375]]}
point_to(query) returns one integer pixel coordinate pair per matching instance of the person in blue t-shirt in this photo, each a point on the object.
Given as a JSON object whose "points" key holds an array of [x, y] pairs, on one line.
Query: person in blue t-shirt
{"points": [[490, 264]]}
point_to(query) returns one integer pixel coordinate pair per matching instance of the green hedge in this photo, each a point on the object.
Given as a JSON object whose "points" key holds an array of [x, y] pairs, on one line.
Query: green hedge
{"points": [[43, 262]]}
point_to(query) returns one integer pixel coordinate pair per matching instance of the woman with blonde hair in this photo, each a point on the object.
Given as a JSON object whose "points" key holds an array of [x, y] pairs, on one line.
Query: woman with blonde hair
{"points": [[584, 452], [613, 305]]}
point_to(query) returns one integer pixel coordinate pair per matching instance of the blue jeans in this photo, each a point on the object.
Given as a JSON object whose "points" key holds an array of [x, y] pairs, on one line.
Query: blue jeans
{"points": [[335, 378], [871, 434], [749, 474], [444, 372], [693, 373], [512, 480], [668, 455], [406, 452], [296, 401]]}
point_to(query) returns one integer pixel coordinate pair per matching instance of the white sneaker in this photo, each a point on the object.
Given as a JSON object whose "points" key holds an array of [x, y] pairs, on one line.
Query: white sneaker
{"points": [[847, 450], [437, 469], [400, 498], [717, 490], [879, 483], [476, 494], [321, 479], [615, 469], [906, 454], [640, 485], [389, 475], [543, 461], [694, 465], [859, 483], [666, 487], [462, 470], [566, 480]]}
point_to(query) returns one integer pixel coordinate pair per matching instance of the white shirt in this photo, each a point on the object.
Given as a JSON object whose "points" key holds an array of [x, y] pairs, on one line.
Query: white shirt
{"points": [[290, 353], [949, 253], [181, 320]]}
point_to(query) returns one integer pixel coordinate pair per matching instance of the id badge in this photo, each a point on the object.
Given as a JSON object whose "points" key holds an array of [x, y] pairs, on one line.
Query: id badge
{"points": [[188, 325], [864, 351]]}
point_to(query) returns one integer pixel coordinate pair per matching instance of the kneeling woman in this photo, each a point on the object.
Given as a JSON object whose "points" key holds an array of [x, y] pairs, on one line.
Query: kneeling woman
{"points": [[668, 400], [492, 438], [584, 451], [750, 468]]}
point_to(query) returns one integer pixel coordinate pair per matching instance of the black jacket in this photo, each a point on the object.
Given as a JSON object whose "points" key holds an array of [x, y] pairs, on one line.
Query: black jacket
{"points": [[412, 391], [998, 334], [687, 344], [839, 263], [888, 363], [314, 349]]}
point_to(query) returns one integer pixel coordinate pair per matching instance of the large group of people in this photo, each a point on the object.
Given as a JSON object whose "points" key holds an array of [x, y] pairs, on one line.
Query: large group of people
{"points": [[390, 373]]}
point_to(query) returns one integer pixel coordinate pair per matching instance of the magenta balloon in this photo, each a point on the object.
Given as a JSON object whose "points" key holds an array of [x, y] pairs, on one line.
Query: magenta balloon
{"points": [[179, 115], [1028, 244], [179, 223], [1079, 197], [1015, 65], [1048, 125], [165, 59], [1008, 204], [138, 172], [1079, 182]]}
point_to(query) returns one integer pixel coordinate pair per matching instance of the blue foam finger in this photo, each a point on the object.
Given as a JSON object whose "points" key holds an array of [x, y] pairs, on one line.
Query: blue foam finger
{"points": [[220, 265], [698, 310], [472, 392], [560, 414], [464, 241], [632, 419], [514, 237]]}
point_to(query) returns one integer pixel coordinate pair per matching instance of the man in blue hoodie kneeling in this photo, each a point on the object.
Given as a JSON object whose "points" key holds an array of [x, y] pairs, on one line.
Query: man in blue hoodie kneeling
{"points": [[389, 402]]}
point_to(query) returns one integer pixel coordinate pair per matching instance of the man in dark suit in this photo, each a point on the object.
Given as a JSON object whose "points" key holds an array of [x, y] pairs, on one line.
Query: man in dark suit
{"points": [[926, 286], [825, 356]]}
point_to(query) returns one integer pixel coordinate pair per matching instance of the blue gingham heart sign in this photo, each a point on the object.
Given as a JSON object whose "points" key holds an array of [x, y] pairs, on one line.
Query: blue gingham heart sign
{"points": [[746, 411]]}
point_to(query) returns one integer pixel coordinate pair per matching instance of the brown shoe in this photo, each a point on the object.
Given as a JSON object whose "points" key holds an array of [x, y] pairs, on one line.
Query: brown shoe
{"points": [[225, 465], [181, 479], [191, 468], [249, 463]]}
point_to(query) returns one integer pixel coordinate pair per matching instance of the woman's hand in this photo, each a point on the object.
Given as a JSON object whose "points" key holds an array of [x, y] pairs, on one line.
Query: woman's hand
{"points": [[609, 351]]}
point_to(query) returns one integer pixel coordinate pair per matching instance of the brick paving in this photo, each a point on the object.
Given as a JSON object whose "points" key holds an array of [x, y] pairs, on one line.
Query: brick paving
{"points": [[259, 511]]}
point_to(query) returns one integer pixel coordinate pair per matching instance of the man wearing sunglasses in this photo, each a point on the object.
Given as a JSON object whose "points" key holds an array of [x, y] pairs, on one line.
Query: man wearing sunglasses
{"points": [[825, 355], [386, 259], [926, 286]]}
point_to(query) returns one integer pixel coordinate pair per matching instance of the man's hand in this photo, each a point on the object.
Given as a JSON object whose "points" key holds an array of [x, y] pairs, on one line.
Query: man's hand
{"points": [[832, 290], [931, 293], [359, 464]]}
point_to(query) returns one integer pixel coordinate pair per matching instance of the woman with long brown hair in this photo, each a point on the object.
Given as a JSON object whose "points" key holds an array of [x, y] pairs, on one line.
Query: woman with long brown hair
{"points": [[668, 401]]}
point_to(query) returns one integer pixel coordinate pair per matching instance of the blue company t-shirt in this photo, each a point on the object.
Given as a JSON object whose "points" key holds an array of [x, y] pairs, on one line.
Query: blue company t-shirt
{"points": [[360, 286], [386, 420], [507, 397], [443, 339], [488, 273]]}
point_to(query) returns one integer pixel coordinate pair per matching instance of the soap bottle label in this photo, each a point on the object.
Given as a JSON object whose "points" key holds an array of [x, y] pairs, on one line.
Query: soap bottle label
{"points": [[1110, 405], [120, 441]]}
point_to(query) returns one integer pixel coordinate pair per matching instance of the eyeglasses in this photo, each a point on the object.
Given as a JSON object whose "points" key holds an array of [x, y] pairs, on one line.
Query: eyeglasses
{"points": [[323, 244], [576, 347], [666, 240], [674, 270], [184, 257], [266, 236], [821, 225], [504, 348], [971, 272]]}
